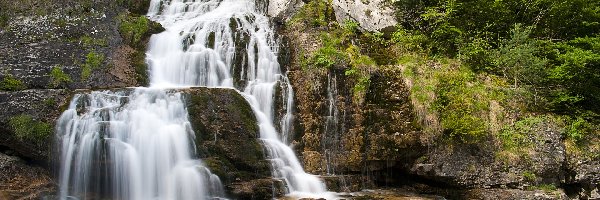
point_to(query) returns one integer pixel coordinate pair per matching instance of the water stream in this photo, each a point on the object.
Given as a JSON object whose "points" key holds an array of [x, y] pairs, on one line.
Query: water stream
{"points": [[138, 144]]}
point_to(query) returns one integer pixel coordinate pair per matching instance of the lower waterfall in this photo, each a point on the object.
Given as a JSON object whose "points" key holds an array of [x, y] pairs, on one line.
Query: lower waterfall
{"points": [[130, 145]]}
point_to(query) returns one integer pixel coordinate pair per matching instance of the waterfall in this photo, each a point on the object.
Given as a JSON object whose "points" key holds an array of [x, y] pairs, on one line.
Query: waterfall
{"points": [[130, 145], [138, 144], [331, 137], [198, 48]]}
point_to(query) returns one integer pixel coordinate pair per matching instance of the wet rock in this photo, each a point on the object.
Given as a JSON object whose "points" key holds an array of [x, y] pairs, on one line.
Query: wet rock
{"points": [[227, 136], [19, 180], [347, 183], [258, 189]]}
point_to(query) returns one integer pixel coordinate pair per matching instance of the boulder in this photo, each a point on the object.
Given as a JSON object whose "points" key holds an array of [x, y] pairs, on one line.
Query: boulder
{"points": [[371, 15], [227, 138]]}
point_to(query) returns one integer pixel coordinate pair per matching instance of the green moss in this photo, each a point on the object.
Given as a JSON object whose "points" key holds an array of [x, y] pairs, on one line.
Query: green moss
{"points": [[4, 19], [10, 83], [59, 78], [138, 60], [26, 128], [93, 61], [90, 42], [133, 28], [529, 176], [316, 13], [50, 102]]}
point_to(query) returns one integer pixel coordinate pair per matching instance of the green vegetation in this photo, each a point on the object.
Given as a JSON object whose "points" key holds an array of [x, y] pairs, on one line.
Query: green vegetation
{"points": [[3, 19], [58, 77], [134, 28], [90, 42], [27, 128], [504, 65], [10, 83], [529, 176], [93, 61]]}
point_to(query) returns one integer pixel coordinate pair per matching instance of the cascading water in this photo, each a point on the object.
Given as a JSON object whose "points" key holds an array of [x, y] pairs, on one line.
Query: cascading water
{"points": [[130, 145], [331, 138], [198, 48], [136, 144]]}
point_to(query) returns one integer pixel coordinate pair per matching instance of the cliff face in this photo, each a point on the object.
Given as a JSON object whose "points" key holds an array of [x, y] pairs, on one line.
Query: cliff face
{"points": [[367, 137], [47, 50]]}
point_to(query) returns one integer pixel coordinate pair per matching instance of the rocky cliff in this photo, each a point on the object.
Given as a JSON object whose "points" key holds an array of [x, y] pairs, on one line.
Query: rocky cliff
{"points": [[48, 49], [358, 118]]}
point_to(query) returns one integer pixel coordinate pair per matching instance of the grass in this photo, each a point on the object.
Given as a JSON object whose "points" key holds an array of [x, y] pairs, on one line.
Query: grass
{"points": [[26, 128]]}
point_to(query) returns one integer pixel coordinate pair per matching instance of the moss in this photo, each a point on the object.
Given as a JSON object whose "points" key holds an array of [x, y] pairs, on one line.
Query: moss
{"points": [[90, 42], [315, 13], [135, 29], [138, 60], [58, 77], [4, 19], [10, 83], [50, 103], [93, 61], [529, 176], [139, 7], [246, 112], [26, 128]]}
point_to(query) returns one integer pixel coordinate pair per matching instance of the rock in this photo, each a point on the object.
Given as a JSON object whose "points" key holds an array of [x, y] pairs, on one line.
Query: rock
{"points": [[481, 165], [227, 136], [258, 189], [347, 183], [78, 37], [19, 180], [33, 114], [372, 15], [489, 194], [283, 9]]}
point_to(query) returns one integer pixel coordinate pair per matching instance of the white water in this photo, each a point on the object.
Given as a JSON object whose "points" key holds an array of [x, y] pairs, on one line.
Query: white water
{"points": [[137, 146], [207, 60]]}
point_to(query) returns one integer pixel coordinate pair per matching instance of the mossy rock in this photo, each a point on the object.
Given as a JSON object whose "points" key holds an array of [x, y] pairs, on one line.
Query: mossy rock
{"points": [[227, 134]]}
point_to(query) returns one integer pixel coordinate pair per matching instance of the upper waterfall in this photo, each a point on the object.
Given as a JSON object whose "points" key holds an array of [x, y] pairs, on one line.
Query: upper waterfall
{"points": [[198, 48]]}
